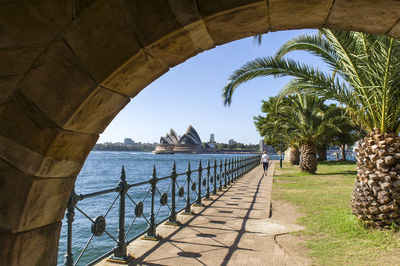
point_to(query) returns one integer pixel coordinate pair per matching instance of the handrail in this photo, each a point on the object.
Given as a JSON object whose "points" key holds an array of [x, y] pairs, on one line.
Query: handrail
{"points": [[225, 173]]}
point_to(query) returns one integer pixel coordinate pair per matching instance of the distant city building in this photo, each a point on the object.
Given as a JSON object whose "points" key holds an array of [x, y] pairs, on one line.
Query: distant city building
{"points": [[262, 145], [212, 139], [128, 141], [231, 142]]}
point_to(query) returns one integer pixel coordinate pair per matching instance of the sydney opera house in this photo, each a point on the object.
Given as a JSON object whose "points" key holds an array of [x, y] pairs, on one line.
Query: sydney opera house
{"points": [[190, 142]]}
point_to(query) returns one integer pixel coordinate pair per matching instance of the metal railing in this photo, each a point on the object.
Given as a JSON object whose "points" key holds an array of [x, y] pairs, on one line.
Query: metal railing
{"points": [[216, 177]]}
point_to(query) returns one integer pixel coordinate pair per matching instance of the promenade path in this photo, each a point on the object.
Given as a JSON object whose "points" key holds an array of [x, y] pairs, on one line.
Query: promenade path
{"points": [[234, 229]]}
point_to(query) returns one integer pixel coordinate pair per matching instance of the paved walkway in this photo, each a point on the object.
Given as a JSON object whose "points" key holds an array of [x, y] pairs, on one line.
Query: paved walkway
{"points": [[232, 230]]}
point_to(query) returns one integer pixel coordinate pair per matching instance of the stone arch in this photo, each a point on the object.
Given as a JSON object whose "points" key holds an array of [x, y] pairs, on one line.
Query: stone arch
{"points": [[67, 67]]}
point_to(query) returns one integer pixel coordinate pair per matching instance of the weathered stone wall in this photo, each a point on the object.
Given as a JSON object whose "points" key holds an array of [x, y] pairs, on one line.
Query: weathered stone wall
{"points": [[67, 67]]}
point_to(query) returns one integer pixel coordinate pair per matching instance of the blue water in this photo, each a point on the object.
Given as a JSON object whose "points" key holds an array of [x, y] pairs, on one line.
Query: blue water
{"points": [[102, 171]]}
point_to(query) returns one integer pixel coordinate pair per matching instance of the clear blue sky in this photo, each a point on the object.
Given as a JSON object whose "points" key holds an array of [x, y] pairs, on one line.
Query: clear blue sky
{"points": [[190, 94]]}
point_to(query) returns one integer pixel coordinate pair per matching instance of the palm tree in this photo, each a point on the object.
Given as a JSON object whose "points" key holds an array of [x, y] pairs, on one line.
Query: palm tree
{"points": [[274, 134], [363, 76], [304, 120], [308, 120]]}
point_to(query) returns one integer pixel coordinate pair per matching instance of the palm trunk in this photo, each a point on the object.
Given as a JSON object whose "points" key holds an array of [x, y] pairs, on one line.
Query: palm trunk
{"points": [[308, 158], [321, 153], [343, 146], [294, 156], [376, 194]]}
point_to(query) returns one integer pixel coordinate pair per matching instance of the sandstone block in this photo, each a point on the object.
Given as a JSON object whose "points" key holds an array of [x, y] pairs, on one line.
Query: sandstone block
{"points": [[36, 247], [59, 76], [174, 48], [71, 146], [294, 14], [96, 111], [25, 124], [34, 164], [28, 202], [8, 84], [172, 43], [233, 24], [102, 38], [135, 74], [16, 60], [153, 20], [31, 23]]}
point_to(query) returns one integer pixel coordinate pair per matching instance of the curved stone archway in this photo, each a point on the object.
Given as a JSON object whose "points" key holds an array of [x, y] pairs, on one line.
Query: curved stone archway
{"points": [[67, 67]]}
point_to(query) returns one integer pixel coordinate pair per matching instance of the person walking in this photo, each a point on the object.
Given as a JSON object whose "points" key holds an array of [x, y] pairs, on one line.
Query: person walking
{"points": [[265, 161]]}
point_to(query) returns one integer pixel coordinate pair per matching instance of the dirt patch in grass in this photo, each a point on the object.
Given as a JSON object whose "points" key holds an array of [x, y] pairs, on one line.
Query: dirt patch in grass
{"points": [[285, 211], [293, 244]]}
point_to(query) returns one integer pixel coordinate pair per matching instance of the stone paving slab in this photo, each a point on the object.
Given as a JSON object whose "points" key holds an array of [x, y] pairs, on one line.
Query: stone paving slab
{"points": [[231, 230]]}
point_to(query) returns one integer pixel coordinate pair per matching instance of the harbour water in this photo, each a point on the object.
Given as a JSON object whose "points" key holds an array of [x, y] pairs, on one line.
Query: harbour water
{"points": [[102, 171]]}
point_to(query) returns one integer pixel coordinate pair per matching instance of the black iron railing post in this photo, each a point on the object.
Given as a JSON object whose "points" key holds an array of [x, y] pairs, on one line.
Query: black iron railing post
{"points": [[225, 174], [172, 216], [187, 207], [241, 167], [199, 179], [120, 250], [236, 168], [233, 170], [229, 171], [73, 200], [208, 181], [215, 178], [221, 175], [151, 229]]}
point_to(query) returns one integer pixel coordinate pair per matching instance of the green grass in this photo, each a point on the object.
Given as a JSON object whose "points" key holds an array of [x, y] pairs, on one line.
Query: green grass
{"points": [[335, 236]]}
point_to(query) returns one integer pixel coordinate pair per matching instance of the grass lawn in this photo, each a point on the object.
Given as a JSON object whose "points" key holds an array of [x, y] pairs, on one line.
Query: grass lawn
{"points": [[334, 236]]}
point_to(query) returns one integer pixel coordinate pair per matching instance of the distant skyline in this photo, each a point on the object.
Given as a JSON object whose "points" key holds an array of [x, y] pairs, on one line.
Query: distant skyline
{"points": [[190, 94]]}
